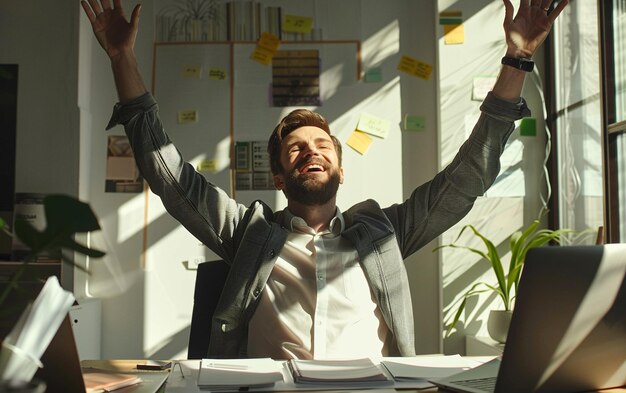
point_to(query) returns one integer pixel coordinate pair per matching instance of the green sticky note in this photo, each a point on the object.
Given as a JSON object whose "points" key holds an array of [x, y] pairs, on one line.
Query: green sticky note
{"points": [[414, 123], [528, 127], [450, 21], [374, 75]]}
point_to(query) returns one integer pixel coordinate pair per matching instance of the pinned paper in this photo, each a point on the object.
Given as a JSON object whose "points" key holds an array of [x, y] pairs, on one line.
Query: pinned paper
{"points": [[217, 74], [528, 127], [297, 24], [207, 166], [269, 41], [192, 71], [266, 48], [187, 117], [414, 123], [359, 141], [373, 75], [482, 85], [262, 55], [415, 67], [453, 34], [373, 125]]}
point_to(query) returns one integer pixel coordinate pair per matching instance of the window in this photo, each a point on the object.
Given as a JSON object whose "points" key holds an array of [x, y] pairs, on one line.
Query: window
{"points": [[614, 30], [577, 118]]}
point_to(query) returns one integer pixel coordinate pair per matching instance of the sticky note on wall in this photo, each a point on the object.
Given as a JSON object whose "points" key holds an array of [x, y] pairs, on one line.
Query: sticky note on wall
{"points": [[450, 17], [373, 125], [217, 74], [187, 117], [453, 34], [415, 67], [359, 141], [297, 24], [207, 166], [373, 75], [192, 71], [414, 123], [266, 48], [528, 127]]}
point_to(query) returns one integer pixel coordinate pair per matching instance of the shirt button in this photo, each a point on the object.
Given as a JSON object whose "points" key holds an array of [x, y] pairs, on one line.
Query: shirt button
{"points": [[256, 292], [272, 253]]}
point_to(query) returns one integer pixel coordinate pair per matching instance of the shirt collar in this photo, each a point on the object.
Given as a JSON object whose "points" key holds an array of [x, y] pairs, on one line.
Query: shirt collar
{"points": [[297, 224]]}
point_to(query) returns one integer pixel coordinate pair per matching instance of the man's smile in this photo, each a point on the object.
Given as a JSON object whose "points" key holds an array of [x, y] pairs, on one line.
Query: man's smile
{"points": [[311, 167]]}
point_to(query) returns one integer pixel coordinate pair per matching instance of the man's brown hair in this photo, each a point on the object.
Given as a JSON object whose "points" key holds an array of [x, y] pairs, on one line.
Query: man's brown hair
{"points": [[294, 120]]}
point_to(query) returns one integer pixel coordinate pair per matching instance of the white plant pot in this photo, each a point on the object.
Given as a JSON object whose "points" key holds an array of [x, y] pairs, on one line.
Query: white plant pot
{"points": [[498, 324]]}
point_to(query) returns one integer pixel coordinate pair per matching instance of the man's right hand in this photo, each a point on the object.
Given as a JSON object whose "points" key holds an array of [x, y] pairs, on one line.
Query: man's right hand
{"points": [[114, 33]]}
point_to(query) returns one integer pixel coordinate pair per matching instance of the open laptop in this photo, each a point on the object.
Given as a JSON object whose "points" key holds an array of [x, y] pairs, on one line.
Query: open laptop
{"points": [[568, 330], [62, 372]]}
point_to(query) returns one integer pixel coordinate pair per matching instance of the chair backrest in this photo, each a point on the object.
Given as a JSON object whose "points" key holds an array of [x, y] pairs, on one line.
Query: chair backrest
{"points": [[210, 279]]}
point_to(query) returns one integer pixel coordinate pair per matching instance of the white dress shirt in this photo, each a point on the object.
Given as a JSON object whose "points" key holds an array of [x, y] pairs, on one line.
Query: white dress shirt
{"points": [[317, 303]]}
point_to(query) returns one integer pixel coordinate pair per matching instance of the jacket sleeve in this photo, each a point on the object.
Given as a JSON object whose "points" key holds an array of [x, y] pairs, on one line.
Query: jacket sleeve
{"points": [[200, 206], [443, 201]]}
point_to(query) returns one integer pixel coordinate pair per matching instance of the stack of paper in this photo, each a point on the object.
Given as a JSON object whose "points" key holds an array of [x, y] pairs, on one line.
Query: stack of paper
{"points": [[237, 374], [102, 381], [415, 372], [357, 372], [30, 337]]}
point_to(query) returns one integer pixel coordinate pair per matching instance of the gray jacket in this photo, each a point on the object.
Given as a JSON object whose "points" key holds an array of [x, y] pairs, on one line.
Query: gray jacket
{"points": [[250, 238]]}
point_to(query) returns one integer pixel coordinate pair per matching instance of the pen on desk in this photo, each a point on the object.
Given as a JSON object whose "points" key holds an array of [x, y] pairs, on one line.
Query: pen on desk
{"points": [[227, 366]]}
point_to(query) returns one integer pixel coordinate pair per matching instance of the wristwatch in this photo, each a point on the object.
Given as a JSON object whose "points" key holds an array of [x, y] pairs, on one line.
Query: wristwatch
{"points": [[521, 63]]}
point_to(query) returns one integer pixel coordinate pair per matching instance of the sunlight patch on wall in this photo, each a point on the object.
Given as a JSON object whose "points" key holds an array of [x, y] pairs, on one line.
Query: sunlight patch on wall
{"points": [[382, 45], [332, 81], [130, 217]]}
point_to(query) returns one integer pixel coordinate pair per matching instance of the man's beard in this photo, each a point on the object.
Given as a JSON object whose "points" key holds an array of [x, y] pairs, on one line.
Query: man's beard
{"points": [[309, 190]]}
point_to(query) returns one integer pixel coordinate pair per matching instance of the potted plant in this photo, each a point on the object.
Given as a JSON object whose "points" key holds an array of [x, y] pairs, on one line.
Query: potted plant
{"points": [[191, 20], [507, 281]]}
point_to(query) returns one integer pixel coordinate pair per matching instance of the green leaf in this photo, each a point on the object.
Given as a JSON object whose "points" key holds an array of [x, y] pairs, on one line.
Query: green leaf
{"points": [[496, 264], [65, 216], [470, 292]]}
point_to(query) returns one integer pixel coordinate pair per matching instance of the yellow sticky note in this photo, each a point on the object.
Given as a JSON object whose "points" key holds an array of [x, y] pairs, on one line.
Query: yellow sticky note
{"points": [[186, 117], [262, 55], [415, 67], [453, 34], [217, 74], [359, 141], [423, 70], [269, 41], [297, 24], [373, 125], [192, 71], [207, 166]]}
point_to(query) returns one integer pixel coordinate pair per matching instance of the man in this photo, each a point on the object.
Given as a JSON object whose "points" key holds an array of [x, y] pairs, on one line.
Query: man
{"points": [[312, 281]]}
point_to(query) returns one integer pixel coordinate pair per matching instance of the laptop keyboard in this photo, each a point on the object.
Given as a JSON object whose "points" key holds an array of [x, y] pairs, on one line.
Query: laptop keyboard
{"points": [[485, 384]]}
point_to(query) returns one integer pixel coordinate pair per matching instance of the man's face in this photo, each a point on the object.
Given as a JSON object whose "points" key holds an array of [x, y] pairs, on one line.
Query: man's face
{"points": [[311, 173]]}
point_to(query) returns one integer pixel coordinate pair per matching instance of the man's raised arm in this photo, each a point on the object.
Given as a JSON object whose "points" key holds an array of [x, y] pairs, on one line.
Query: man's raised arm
{"points": [[524, 34], [117, 36]]}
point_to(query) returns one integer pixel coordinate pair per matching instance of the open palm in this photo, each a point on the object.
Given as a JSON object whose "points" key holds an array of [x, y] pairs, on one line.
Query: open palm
{"points": [[110, 26], [530, 27]]}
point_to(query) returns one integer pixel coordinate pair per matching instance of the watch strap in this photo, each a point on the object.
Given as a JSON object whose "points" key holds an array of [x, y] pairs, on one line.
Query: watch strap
{"points": [[521, 63]]}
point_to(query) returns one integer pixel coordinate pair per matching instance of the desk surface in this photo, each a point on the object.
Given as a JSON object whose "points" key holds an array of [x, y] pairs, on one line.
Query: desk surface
{"points": [[176, 383]]}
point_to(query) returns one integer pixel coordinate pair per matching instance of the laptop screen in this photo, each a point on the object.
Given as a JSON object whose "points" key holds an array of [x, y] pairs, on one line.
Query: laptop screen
{"points": [[568, 331]]}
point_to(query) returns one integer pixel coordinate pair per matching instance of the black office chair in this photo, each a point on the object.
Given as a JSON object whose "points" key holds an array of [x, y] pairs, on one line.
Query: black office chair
{"points": [[210, 279]]}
